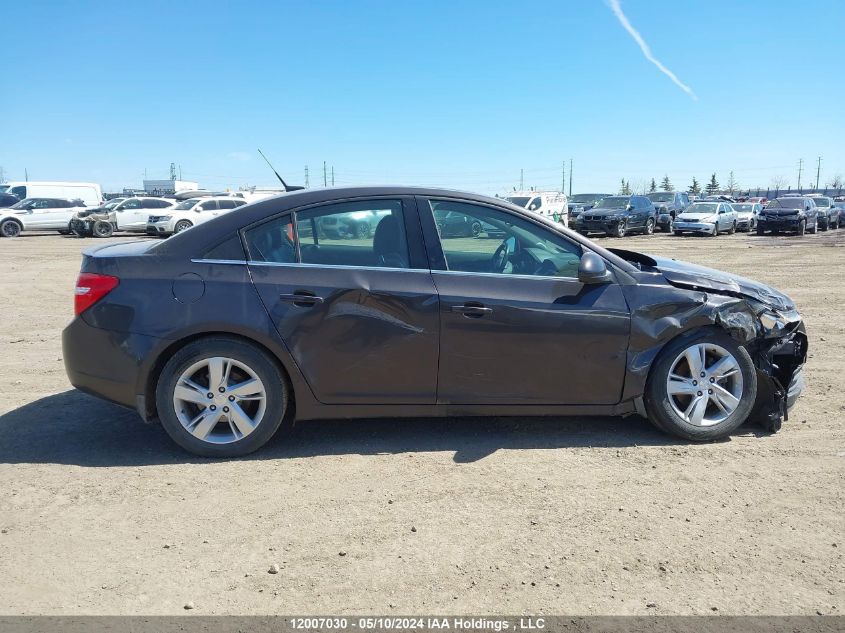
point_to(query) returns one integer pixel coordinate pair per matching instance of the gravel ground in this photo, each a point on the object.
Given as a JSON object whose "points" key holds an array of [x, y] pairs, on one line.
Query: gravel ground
{"points": [[100, 514]]}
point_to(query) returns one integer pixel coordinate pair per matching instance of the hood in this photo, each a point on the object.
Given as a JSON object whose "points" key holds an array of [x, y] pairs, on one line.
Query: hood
{"points": [[607, 211], [780, 211], [695, 217], [687, 275]]}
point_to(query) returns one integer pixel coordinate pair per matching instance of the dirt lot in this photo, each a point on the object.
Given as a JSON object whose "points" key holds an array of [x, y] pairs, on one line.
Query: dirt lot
{"points": [[102, 514]]}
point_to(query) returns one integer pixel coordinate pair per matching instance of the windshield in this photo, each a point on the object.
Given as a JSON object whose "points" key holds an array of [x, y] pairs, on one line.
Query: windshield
{"points": [[786, 203], [111, 204], [186, 204], [614, 202], [4, 188], [661, 196], [588, 198], [822, 202], [703, 207], [520, 201], [743, 207], [23, 204]]}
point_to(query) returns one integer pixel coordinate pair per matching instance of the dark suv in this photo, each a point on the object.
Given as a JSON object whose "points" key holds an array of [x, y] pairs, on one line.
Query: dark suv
{"points": [[789, 213], [618, 216], [581, 202], [669, 205]]}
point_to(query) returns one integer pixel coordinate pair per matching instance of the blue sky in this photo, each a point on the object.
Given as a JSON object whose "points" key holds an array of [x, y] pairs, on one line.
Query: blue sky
{"points": [[459, 94]]}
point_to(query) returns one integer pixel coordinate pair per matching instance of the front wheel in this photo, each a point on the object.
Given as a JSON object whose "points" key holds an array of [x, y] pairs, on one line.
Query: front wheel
{"points": [[649, 227], [702, 387], [10, 228], [760, 230], [475, 229], [732, 229], [221, 397], [716, 230], [802, 227], [102, 228], [182, 225], [620, 229]]}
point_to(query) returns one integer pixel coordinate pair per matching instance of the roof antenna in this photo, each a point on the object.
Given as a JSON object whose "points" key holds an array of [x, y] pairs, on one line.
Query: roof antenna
{"points": [[281, 180]]}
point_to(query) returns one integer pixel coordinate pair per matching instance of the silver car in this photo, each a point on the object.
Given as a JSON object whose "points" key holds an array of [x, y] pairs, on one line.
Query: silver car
{"points": [[746, 215], [708, 218]]}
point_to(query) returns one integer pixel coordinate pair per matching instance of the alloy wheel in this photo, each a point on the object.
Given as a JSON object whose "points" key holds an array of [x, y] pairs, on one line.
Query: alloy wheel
{"points": [[182, 225], [649, 227], [219, 400], [10, 228], [704, 384]]}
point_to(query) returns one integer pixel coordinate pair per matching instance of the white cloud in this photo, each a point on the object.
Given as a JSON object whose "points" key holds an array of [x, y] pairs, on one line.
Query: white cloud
{"points": [[616, 7], [240, 156]]}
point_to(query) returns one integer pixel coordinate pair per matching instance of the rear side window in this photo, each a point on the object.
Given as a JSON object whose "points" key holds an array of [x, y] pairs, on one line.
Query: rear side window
{"points": [[227, 204], [230, 250], [363, 233], [272, 241], [208, 205]]}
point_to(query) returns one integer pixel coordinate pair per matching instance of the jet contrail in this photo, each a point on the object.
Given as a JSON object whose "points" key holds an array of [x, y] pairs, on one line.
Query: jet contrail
{"points": [[623, 20]]}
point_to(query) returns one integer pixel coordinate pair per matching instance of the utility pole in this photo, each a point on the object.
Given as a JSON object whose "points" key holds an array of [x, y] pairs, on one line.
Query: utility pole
{"points": [[332, 175], [26, 174], [521, 180], [2, 175], [818, 171], [180, 172], [570, 177], [172, 171], [563, 177], [800, 168], [306, 177], [325, 182]]}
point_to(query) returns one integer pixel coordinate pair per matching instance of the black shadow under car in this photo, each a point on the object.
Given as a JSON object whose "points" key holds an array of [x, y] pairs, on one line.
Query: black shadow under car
{"points": [[232, 330]]}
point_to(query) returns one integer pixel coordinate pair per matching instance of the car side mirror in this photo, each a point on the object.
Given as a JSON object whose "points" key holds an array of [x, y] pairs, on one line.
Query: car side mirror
{"points": [[630, 207], [593, 270]]}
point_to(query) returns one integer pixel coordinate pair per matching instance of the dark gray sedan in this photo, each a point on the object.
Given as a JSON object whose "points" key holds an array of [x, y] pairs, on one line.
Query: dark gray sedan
{"points": [[229, 332]]}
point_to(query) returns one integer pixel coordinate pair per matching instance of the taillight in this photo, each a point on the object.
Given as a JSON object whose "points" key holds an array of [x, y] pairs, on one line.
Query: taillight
{"points": [[90, 288]]}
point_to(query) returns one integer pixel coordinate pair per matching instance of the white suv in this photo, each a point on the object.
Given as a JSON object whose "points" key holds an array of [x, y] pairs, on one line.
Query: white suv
{"points": [[191, 212], [38, 214], [132, 213]]}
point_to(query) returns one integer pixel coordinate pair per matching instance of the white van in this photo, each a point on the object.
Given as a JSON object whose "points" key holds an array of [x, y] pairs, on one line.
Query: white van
{"points": [[89, 192], [552, 204]]}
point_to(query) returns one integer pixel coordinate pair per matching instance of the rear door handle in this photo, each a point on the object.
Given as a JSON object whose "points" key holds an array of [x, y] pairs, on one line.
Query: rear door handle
{"points": [[473, 310], [302, 299]]}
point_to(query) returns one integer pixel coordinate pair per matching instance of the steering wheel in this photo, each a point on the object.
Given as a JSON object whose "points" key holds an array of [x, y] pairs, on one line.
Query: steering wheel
{"points": [[500, 258]]}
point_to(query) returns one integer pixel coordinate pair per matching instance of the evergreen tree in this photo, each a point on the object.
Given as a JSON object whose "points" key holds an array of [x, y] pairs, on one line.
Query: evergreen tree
{"points": [[713, 186], [653, 187], [694, 187], [666, 185], [626, 187]]}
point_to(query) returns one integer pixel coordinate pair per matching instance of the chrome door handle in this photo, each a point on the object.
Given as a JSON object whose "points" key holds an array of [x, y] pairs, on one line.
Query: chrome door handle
{"points": [[472, 310], [301, 299]]}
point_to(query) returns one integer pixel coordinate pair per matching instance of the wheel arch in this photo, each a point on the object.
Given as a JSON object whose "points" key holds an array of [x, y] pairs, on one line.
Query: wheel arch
{"points": [[149, 378]]}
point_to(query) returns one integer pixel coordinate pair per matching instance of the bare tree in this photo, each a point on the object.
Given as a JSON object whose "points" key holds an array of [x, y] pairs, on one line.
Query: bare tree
{"points": [[836, 183], [778, 183], [732, 184]]}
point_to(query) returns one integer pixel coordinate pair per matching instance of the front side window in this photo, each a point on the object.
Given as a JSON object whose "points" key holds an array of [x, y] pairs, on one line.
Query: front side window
{"points": [[479, 239], [134, 203]]}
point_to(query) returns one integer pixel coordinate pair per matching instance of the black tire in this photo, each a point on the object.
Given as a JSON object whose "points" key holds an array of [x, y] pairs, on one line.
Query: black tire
{"points": [[657, 402], [715, 230], [649, 227], [760, 230], [102, 228], [679, 233], [266, 368], [10, 228], [475, 229], [733, 229], [182, 225], [620, 229], [815, 228], [802, 228]]}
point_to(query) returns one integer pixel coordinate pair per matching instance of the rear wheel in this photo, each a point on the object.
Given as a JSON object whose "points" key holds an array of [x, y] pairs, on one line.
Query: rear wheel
{"points": [[733, 229], [10, 228], [702, 387], [182, 225], [221, 397], [679, 233]]}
